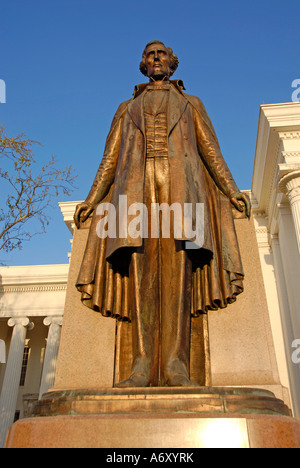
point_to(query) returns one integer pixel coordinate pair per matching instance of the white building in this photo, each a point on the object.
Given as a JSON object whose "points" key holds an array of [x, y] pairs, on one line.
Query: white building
{"points": [[32, 298], [275, 196]]}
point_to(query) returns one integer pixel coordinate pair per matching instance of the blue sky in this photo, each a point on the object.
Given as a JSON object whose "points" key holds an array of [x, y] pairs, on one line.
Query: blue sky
{"points": [[67, 65]]}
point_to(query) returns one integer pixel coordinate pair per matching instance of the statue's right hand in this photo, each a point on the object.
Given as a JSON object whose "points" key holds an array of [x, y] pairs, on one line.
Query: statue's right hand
{"points": [[82, 212]]}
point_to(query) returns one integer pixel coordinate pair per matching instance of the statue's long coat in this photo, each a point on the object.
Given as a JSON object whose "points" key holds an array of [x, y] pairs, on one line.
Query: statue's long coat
{"points": [[198, 174]]}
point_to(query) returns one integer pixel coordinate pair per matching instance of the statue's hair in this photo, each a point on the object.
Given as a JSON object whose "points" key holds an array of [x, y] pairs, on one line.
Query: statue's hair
{"points": [[174, 59]]}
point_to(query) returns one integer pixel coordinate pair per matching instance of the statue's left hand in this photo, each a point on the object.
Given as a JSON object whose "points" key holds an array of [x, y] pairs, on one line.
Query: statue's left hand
{"points": [[242, 205], [82, 212]]}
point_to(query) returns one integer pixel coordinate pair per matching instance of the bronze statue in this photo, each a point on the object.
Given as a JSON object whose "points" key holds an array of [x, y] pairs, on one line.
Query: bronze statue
{"points": [[162, 149]]}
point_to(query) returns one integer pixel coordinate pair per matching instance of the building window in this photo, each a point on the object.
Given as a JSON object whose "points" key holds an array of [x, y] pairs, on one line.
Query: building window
{"points": [[24, 365]]}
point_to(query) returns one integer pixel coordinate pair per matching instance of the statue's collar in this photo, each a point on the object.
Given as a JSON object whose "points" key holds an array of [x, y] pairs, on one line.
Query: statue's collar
{"points": [[178, 84]]}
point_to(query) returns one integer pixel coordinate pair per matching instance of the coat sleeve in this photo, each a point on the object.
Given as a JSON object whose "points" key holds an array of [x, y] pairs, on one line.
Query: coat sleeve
{"points": [[210, 151], [107, 169]]}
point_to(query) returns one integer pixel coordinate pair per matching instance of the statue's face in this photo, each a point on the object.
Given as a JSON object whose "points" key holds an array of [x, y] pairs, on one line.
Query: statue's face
{"points": [[157, 62]]}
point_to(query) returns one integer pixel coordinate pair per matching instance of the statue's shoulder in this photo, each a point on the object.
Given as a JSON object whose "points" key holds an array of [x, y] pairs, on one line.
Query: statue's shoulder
{"points": [[196, 102], [120, 112], [193, 100], [198, 105], [122, 107]]}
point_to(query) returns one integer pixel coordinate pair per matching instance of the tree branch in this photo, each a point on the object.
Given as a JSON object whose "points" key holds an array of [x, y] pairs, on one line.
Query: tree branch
{"points": [[28, 196]]}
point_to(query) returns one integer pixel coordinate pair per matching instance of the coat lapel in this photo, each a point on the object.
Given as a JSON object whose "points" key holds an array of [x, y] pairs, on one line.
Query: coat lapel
{"points": [[135, 110], [177, 106]]}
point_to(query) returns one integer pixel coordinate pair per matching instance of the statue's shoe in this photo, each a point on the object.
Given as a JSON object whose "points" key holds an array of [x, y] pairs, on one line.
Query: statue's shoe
{"points": [[179, 380], [136, 380]]}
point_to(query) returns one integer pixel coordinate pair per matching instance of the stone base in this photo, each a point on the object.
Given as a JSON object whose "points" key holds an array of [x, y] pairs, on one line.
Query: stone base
{"points": [[157, 418], [156, 431], [153, 400]]}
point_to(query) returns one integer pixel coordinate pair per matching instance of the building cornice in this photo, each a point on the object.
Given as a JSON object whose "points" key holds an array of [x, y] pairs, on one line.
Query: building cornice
{"points": [[35, 275], [33, 279], [277, 153], [33, 288]]}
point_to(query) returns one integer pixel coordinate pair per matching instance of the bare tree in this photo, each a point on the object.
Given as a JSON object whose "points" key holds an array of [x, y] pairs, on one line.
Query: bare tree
{"points": [[27, 189]]}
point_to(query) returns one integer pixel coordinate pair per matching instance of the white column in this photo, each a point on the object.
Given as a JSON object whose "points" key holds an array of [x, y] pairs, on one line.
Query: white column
{"points": [[291, 269], [291, 264], [11, 382], [49, 368], [290, 185], [271, 288], [287, 326]]}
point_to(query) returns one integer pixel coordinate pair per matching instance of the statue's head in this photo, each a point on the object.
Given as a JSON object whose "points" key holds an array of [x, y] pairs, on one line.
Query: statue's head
{"points": [[158, 61]]}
